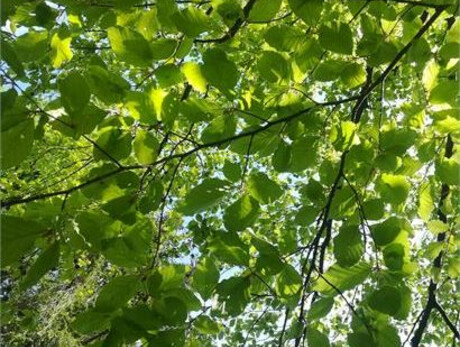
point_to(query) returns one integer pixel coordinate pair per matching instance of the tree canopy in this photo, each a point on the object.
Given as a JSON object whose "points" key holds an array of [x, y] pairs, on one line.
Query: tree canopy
{"points": [[230, 173]]}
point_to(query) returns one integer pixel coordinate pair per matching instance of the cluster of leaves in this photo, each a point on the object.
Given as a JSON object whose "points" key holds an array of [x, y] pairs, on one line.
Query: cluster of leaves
{"points": [[192, 172]]}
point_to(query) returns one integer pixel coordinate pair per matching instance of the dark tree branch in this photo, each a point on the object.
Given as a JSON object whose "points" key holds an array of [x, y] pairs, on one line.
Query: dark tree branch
{"points": [[234, 29], [162, 215], [446, 319], [246, 166], [21, 200], [286, 316], [416, 3], [437, 263]]}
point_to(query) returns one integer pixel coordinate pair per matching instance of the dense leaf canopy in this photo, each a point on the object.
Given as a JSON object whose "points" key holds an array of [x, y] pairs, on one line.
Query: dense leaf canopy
{"points": [[230, 172]]}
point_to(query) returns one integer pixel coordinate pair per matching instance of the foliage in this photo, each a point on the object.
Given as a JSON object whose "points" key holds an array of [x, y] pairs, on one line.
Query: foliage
{"points": [[230, 172]]}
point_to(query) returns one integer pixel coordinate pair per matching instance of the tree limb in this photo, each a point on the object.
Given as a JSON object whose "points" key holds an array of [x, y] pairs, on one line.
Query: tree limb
{"points": [[234, 29], [449, 323], [437, 263]]}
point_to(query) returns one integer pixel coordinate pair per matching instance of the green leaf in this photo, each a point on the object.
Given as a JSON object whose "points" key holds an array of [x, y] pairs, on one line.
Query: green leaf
{"points": [[152, 198], [47, 260], [132, 247], [18, 237], [263, 189], [229, 10], [430, 75], [170, 338], [273, 67], [387, 336], [295, 330], [162, 48], [8, 54], [308, 11], [263, 143], [108, 87], [341, 278], [60, 48], [94, 227], [303, 154], [204, 196], [206, 325], [30, 46], [353, 75], [288, 282], [394, 256], [116, 293], [284, 38], [433, 249], [445, 92], [168, 75], [16, 142], [44, 15], [205, 277], [448, 171], [218, 70], [343, 135], [191, 21], [393, 188], [241, 214], [329, 70], [386, 300], [384, 52], [308, 55], [453, 268], [306, 215], [264, 10], [75, 92], [348, 246], [336, 37], [437, 226], [316, 338], [130, 46], [219, 128], [320, 308], [343, 204], [234, 292], [91, 321], [360, 339], [145, 147], [406, 303], [397, 141], [264, 247], [165, 11], [385, 232], [141, 317], [374, 209], [122, 208], [228, 247], [232, 171], [166, 279], [114, 142], [194, 75]]}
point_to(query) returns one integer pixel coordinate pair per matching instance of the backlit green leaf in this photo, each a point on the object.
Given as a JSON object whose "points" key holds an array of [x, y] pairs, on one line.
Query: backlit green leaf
{"points": [[336, 37], [337, 277], [204, 196], [130, 46], [241, 214]]}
